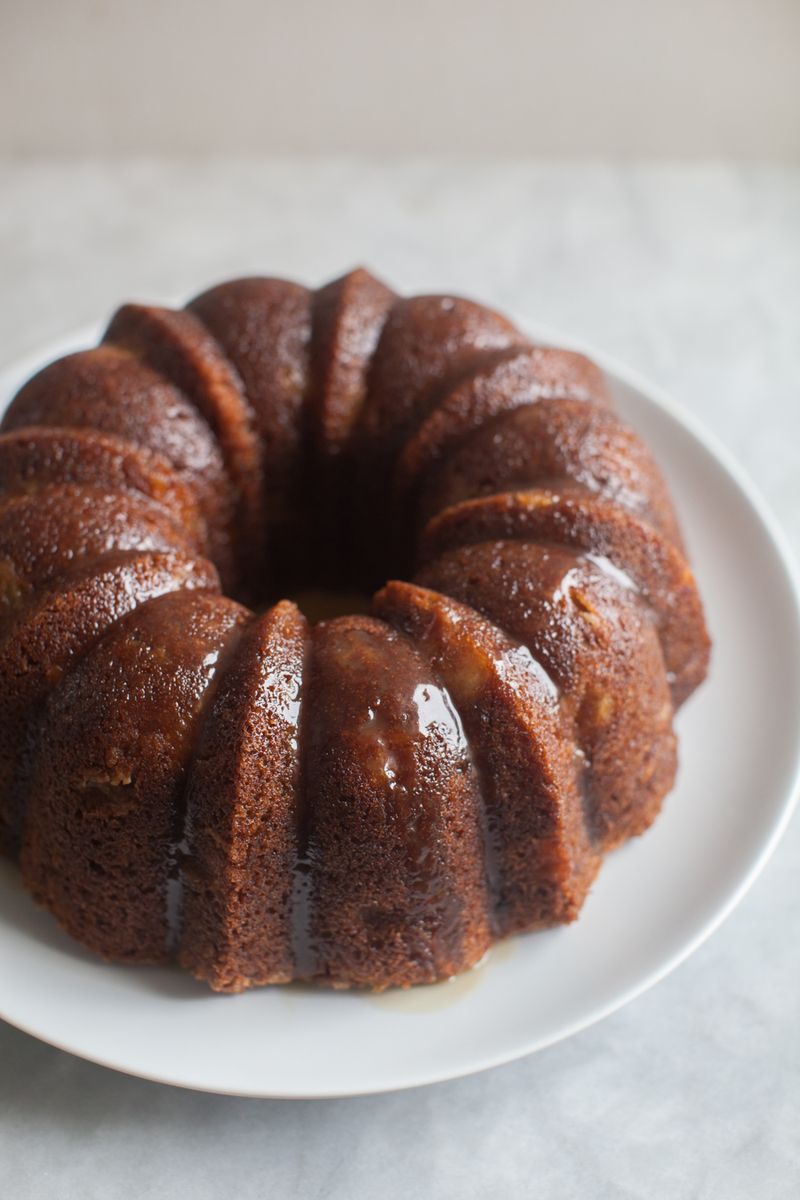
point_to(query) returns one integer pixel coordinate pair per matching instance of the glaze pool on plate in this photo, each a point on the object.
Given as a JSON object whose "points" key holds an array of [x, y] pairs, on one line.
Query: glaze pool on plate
{"points": [[655, 900]]}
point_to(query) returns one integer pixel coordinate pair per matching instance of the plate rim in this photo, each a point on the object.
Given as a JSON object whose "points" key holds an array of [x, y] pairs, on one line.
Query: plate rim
{"points": [[13, 373]]}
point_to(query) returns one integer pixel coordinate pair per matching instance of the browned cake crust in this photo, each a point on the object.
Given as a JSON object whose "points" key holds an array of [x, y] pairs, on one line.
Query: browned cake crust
{"points": [[105, 826], [264, 327], [563, 443], [179, 347], [241, 822], [497, 385], [370, 800], [425, 341], [107, 390], [591, 634], [349, 316], [34, 456], [391, 883], [52, 630], [44, 533], [655, 566], [538, 858]]}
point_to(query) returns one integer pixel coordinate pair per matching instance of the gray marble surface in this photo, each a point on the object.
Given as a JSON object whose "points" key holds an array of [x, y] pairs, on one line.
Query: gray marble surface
{"points": [[691, 275]]}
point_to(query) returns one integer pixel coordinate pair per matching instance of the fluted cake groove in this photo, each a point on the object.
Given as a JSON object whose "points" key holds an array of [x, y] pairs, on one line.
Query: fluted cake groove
{"points": [[368, 800]]}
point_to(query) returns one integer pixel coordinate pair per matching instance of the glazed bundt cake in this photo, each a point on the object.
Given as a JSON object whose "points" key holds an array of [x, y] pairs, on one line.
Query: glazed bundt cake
{"points": [[370, 799]]}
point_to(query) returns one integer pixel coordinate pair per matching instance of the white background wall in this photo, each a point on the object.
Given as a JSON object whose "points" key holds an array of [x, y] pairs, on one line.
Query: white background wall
{"points": [[677, 78]]}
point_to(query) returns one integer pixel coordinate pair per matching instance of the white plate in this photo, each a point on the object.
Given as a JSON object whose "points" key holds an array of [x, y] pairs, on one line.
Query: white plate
{"points": [[655, 901]]}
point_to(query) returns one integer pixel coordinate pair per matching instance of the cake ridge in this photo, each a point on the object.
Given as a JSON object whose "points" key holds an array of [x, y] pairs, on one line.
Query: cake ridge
{"points": [[240, 819], [489, 840], [394, 847], [458, 635], [595, 637], [54, 633], [130, 467], [109, 390], [415, 458], [103, 808], [179, 347], [262, 327], [301, 946], [657, 567], [178, 848]]}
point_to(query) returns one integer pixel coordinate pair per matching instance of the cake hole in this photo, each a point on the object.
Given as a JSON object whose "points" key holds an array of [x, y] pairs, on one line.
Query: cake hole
{"points": [[321, 604]]}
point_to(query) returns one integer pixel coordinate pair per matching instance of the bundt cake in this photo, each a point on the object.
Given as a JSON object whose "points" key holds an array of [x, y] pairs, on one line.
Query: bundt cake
{"points": [[368, 799]]}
